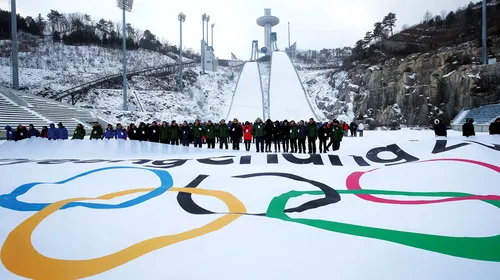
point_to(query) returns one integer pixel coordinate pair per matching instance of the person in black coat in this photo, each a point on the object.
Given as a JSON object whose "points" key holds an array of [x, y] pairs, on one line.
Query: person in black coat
{"points": [[285, 136], [322, 136], [21, 133], [440, 128], [142, 132], [353, 128], [154, 133], [236, 132], [468, 128], [495, 127], [132, 132], [277, 137], [268, 135]]}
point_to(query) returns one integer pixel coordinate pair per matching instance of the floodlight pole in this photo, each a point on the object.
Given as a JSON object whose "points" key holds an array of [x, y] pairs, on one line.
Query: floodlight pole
{"points": [[213, 24], [125, 105], [203, 18], [208, 19], [15, 61], [182, 18], [485, 35]]}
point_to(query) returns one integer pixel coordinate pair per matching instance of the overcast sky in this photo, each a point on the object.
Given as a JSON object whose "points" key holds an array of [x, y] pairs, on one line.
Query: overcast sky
{"points": [[315, 24]]}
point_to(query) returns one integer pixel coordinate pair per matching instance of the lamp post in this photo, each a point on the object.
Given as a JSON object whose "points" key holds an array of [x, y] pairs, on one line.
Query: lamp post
{"points": [[203, 19], [15, 61], [125, 6], [208, 19], [182, 18], [213, 24], [485, 35]]}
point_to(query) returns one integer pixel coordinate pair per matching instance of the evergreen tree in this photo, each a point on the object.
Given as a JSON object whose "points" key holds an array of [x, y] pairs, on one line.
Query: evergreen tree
{"points": [[389, 22]]}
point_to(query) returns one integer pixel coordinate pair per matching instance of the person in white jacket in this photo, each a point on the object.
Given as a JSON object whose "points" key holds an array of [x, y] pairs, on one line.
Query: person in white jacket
{"points": [[361, 127]]}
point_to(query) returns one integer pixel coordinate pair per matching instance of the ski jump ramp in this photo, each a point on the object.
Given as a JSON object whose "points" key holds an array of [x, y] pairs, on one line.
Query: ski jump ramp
{"points": [[247, 103], [287, 98]]}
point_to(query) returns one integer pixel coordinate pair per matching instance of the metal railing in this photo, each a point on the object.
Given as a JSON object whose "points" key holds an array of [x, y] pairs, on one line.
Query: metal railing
{"points": [[78, 90]]}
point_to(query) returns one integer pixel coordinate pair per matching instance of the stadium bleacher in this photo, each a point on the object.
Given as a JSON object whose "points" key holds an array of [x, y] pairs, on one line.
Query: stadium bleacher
{"points": [[22, 108], [482, 117]]}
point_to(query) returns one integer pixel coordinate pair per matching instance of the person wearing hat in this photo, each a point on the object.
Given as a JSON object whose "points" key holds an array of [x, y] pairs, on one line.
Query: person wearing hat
{"points": [[142, 132], [468, 128], [223, 134], [336, 135], [79, 133], [32, 131], [269, 135], [62, 131], [53, 132], [236, 132], [439, 128]]}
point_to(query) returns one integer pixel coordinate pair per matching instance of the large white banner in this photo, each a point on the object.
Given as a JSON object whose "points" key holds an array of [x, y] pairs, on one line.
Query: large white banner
{"points": [[425, 209]]}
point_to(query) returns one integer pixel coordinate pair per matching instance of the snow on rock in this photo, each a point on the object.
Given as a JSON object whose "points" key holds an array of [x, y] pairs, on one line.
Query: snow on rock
{"points": [[449, 74], [323, 90]]}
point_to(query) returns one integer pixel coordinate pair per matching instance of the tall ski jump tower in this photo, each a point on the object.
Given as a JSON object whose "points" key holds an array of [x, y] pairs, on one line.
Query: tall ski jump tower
{"points": [[268, 21]]}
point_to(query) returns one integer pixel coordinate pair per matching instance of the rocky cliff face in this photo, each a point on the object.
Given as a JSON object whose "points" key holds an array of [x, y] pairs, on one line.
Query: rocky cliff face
{"points": [[419, 88]]}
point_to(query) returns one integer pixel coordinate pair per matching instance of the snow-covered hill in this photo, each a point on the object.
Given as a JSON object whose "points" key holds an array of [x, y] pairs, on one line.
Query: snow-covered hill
{"points": [[207, 97], [55, 67]]}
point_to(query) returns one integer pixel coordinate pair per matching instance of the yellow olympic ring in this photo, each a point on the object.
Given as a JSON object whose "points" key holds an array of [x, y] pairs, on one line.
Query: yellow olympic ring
{"points": [[20, 257]]}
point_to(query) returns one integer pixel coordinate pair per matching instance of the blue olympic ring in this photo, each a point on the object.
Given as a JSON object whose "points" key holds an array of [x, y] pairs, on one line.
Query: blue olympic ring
{"points": [[10, 201]]}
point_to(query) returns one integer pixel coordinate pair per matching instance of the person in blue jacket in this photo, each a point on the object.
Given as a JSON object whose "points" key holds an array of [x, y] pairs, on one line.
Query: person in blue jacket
{"points": [[120, 132], [33, 132], [63, 132], [10, 133], [53, 133], [109, 133]]}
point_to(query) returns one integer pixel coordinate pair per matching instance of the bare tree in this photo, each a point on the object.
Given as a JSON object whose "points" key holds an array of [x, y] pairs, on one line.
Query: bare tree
{"points": [[428, 16], [444, 13]]}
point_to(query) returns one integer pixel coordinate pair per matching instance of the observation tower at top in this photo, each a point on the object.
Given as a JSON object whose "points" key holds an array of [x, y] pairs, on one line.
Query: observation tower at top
{"points": [[268, 21]]}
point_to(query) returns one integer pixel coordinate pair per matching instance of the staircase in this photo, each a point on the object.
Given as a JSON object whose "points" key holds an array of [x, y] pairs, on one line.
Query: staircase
{"points": [[13, 115]]}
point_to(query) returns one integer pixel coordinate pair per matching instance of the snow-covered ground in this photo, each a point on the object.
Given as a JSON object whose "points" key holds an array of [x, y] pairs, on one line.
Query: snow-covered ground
{"points": [[55, 67], [287, 97], [208, 98], [390, 205], [247, 102]]}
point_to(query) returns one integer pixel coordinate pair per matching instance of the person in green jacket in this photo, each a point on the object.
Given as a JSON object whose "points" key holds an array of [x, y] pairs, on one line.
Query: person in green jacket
{"points": [[336, 134], [312, 135], [164, 133], [259, 132], [97, 131], [294, 134], [198, 133], [79, 133], [174, 133], [223, 134], [210, 134]]}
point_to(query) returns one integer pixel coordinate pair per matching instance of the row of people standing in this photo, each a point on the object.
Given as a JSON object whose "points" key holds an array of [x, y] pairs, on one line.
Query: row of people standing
{"points": [[52, 132]]}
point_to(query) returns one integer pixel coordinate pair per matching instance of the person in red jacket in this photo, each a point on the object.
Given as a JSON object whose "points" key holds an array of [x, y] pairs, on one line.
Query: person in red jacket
{"points": [[247, 135]]}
